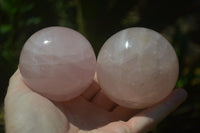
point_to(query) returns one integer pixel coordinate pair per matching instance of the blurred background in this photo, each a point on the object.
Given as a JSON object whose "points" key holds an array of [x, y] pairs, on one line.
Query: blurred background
{"points": [[177, 20]]}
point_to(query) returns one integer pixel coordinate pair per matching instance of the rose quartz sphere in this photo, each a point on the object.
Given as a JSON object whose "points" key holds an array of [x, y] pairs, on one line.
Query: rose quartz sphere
{"points": [[58, 63], [137, 67]]}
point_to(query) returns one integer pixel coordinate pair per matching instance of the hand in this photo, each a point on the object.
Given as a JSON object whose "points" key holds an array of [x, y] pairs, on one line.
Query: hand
{"points": [[29, 112]]}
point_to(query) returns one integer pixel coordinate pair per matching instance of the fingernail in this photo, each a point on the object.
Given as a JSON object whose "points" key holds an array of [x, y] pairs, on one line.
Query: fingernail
{"points": [[181, 93]]}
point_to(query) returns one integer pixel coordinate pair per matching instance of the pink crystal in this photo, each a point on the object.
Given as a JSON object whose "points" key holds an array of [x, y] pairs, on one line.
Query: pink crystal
{"points": [[58, 63], [137, 67]]}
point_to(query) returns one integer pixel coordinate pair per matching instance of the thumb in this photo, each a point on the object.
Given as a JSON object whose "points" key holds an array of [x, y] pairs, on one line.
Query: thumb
{"points": [[29, 112]]}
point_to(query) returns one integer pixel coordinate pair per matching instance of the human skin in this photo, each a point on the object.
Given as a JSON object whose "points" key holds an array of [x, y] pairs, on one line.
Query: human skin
{"points": [[92, 112]]}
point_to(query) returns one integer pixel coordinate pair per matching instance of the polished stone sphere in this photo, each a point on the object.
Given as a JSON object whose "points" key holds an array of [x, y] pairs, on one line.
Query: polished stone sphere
{"points": [[58, 63], [137, 67]]}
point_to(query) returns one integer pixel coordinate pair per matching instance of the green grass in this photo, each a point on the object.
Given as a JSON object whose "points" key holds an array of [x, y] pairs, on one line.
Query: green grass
{"points": [[2, 127]]}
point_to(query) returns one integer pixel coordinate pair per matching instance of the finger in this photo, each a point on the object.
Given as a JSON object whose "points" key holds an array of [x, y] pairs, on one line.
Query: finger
{"points": [[113, 127], [96, 96], [91, 91], [13, 79], [144, 121], [16, 83], [123, 113], [103, 101], [147, 119]]}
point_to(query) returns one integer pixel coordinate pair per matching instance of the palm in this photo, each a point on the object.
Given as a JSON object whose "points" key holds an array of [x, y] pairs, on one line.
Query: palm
{"points": [[26, 111], [93, 109]]}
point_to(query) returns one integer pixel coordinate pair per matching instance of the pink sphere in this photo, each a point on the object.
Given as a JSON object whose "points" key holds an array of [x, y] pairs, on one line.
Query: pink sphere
{"points": [[58, 63], [137, 67]]}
